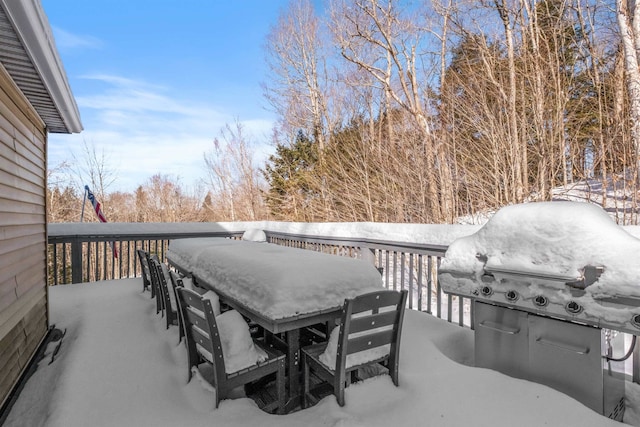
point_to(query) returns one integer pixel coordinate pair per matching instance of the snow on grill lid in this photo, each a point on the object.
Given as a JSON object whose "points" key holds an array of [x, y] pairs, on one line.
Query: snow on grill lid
{"points": [[554, 238]]}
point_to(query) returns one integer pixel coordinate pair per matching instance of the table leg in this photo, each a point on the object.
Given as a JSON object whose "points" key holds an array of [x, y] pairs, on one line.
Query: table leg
{"points": [[293, 358]]}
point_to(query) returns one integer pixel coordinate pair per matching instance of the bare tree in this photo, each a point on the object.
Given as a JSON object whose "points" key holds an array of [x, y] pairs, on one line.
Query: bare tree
{"points": [[298, 83], [161, 199], [234, 180], [95, 170], [389, 45], [629, 24]]}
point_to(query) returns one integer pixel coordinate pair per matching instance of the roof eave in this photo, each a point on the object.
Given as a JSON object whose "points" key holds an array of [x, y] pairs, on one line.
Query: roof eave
{"points": [[32, 26]]}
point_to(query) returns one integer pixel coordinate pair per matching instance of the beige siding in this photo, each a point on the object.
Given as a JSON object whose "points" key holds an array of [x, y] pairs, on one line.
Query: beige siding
{"points": [[23, 243]]}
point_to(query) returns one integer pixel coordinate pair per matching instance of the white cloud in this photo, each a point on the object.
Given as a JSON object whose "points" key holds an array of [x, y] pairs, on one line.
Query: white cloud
{"points": [[67, 40], [143, 130]]}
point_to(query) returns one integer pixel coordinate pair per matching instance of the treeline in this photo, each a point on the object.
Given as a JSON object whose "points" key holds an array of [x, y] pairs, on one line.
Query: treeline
{"points": [[405, 111], [409, 111], [232, 190]]}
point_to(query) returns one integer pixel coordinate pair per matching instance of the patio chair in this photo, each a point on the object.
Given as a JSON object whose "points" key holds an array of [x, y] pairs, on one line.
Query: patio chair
{"points": [[155, 283], [368, 337], [176, 281], [146, 275], [204, 345], [169, 304]]}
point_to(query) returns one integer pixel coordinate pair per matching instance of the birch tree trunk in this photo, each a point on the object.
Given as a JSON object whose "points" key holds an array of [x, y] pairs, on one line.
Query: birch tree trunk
{"points": [[516, 150], [629, 23]]}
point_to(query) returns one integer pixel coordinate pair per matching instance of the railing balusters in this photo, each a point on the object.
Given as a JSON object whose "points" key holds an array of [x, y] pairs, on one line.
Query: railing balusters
{"points": [[402, 270], [395, 270], [97, 263], [438, 293], [411, 281], [420, 261], [386, 269], [429, 284], [64, 263]]}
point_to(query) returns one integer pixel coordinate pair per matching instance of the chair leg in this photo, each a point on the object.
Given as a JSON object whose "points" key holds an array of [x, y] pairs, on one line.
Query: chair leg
{"points": [[220, 395], [338, 390], [280, 380], [190, 374], [305, 388], [180, 330]]}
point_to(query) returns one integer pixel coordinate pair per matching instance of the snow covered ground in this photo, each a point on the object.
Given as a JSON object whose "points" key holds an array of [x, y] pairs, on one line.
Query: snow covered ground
{"points": [[119, 366]]}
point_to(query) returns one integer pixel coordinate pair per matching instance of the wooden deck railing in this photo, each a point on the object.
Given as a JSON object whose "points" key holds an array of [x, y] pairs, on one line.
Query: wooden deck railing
{"points": [[96, 252], [86, 253], [409, 266]]}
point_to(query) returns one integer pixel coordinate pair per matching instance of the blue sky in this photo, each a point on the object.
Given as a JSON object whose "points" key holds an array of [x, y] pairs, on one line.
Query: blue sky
{"points": [[155, 81]]}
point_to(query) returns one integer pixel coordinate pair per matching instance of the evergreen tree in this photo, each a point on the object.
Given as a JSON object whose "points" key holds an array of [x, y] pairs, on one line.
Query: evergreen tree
{"points": [[289, 175]]}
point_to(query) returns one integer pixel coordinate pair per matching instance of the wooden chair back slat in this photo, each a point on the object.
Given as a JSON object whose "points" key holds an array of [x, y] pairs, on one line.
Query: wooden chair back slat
{"points": [[374, 301], [193, 300], [369, 341], [201, 338], [196, 318], [379, 320]]}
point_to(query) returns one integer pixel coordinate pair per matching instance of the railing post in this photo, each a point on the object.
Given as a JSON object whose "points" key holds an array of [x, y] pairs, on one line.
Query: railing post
{"points": [[76, 261]]}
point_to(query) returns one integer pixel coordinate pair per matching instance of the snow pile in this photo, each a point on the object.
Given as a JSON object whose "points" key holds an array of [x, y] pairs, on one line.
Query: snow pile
{"points": [[215, 301], [237, 346], [329, 356], [254, 235], [277, 281]]}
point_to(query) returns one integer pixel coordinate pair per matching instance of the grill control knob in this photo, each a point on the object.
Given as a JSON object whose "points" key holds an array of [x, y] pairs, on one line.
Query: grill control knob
{"points": [[486, 291], [540, 301], [511, 296], [573, 307]]}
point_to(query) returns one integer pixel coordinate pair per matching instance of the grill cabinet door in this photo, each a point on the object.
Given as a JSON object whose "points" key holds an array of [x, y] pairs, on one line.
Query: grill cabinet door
{"points": [[501, 339], [566, 356]]}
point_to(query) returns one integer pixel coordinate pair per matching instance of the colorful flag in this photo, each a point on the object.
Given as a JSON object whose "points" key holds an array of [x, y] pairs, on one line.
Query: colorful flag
{"points": [[101, 217], [95, 203]]}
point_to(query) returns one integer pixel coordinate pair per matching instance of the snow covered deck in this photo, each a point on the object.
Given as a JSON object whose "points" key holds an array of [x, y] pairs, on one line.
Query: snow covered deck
{"points": [[119, 366]]}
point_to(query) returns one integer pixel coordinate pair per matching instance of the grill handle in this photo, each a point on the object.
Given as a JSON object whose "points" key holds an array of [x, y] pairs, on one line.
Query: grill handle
{"points": [[578, 350], [494, 326]]}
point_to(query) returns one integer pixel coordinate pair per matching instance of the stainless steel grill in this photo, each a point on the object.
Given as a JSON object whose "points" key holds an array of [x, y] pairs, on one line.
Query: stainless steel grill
{"points": [[539, 326]]}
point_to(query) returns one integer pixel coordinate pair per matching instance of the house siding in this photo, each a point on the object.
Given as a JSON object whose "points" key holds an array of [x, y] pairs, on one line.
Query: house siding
{"points": [[23, 248]]}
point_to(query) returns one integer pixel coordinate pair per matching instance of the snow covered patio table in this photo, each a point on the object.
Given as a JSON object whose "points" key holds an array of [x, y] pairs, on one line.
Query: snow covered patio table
{"points": [[280, 288]]}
